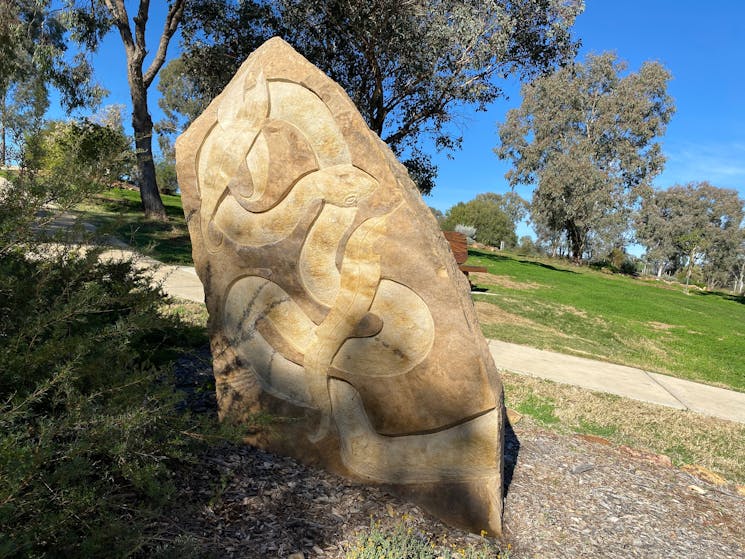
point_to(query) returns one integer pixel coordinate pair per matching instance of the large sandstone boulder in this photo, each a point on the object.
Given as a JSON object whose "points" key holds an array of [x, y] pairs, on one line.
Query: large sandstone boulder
{"points": [[335, 304]]}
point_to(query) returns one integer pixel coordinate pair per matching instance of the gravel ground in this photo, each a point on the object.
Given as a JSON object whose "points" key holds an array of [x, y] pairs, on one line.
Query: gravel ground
{"points": [[567, 497]]}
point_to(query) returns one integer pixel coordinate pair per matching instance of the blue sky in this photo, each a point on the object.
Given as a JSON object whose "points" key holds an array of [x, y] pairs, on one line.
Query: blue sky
{"points": [[701, 44]]}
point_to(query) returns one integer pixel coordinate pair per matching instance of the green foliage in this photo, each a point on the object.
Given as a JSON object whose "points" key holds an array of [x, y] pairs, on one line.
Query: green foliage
{"points": [[89, 434], [181, 101], [33, 59], [404, 542], [695, 225], [492, 224], [616, 261], [165, 171], [406, 65], [586, 136], [527, 247], [647, 324], [88, 429], [80, 157]]}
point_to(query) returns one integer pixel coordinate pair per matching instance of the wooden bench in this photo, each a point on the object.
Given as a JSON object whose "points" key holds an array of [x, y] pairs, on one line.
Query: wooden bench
{"points": [[459, 247]]}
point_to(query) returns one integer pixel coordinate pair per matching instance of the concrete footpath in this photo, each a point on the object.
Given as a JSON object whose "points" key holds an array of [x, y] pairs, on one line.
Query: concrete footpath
{"points": [[628, 382], [620, 380]]}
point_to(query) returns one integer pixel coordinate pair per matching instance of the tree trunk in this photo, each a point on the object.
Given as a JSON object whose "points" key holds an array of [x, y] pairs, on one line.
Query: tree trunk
{"points": [[142, 125], [689, 271], [3, 149], [576, 241]]}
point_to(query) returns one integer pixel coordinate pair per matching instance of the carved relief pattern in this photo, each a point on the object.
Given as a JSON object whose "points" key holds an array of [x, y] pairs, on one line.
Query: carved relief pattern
{"points": [[312, 309]]}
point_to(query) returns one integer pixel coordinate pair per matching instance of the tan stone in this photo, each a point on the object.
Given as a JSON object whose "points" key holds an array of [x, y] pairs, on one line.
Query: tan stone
{"points": [[513, 416], [335, 303], [704, 474]]}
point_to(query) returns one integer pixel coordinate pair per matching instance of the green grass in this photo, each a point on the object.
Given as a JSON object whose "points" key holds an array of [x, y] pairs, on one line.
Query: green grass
{"points": [[545, 304], [541, 409], [118, 212], [685, 437], [652, 325]]}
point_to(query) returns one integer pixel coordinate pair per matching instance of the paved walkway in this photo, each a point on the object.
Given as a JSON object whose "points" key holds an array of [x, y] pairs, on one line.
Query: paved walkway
{"points": [[182, 281], [620, 380], [628, 382]]}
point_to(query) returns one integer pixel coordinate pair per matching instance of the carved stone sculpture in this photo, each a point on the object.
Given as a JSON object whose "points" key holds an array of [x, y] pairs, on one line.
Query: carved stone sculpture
{"points": [[335, 304]]}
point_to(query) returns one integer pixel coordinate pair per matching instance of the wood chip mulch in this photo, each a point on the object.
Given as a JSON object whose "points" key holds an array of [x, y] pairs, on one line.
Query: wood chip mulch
{"points": [[567, 497]]}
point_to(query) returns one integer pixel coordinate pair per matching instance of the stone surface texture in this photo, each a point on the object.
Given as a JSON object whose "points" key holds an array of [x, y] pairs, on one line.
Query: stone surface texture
{"points": [[335, 304]]}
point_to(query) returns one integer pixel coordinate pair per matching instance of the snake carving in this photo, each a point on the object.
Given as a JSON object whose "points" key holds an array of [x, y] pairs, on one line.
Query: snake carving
{"points": [[335, 305]]}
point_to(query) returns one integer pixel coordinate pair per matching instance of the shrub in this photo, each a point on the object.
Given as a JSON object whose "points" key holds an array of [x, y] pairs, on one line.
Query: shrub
{"points": [[88, 428], [467, 230], [89, 433], [493, 225]]}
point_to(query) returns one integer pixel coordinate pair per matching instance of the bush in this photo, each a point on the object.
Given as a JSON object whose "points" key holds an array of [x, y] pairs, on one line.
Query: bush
{"points": [[468, 231], [88, 428], [89, 433], [493, 225]]}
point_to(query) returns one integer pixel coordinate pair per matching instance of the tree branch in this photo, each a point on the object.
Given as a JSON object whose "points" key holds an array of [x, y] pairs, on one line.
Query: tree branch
{"points": [[140, 26], [175, 12], [121, 20]]}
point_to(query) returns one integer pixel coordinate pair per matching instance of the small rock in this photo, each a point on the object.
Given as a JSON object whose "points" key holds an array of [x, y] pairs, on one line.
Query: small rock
{"points": [[659, 459], [298, 555], [740, 490], [583, 468], [704, 474], [697, 489], [513, 416], [595, 439]]}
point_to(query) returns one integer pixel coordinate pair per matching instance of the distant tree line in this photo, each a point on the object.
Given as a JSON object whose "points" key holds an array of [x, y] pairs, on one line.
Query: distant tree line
{"points": [[587, 136], [693, 231]]}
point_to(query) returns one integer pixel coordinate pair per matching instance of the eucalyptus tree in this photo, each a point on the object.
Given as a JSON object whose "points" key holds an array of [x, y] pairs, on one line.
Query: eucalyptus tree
{"points": [[695, 224], [408, 65], [96, 18], [33, 59], [493, 226], [511, 203], [586, 136]]}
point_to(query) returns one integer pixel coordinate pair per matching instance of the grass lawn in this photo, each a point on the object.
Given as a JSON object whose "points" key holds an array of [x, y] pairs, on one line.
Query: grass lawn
{"points": [[652, 325], [118, 212], [684, 436], [545, 304]]}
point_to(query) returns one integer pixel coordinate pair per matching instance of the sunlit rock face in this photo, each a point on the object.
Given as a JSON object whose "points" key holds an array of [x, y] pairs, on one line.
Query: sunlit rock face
{"points": [[335, 304]]}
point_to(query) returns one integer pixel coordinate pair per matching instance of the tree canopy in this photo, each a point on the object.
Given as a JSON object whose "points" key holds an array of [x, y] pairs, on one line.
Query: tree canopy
{"points": [[693, 224], [33, 59], [586, 135], [408, 66], [485, 213]]}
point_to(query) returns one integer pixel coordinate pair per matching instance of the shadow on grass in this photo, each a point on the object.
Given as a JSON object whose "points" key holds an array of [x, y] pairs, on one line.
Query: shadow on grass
{"points": [[500, 258], [722, 295], [123, 219]]}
